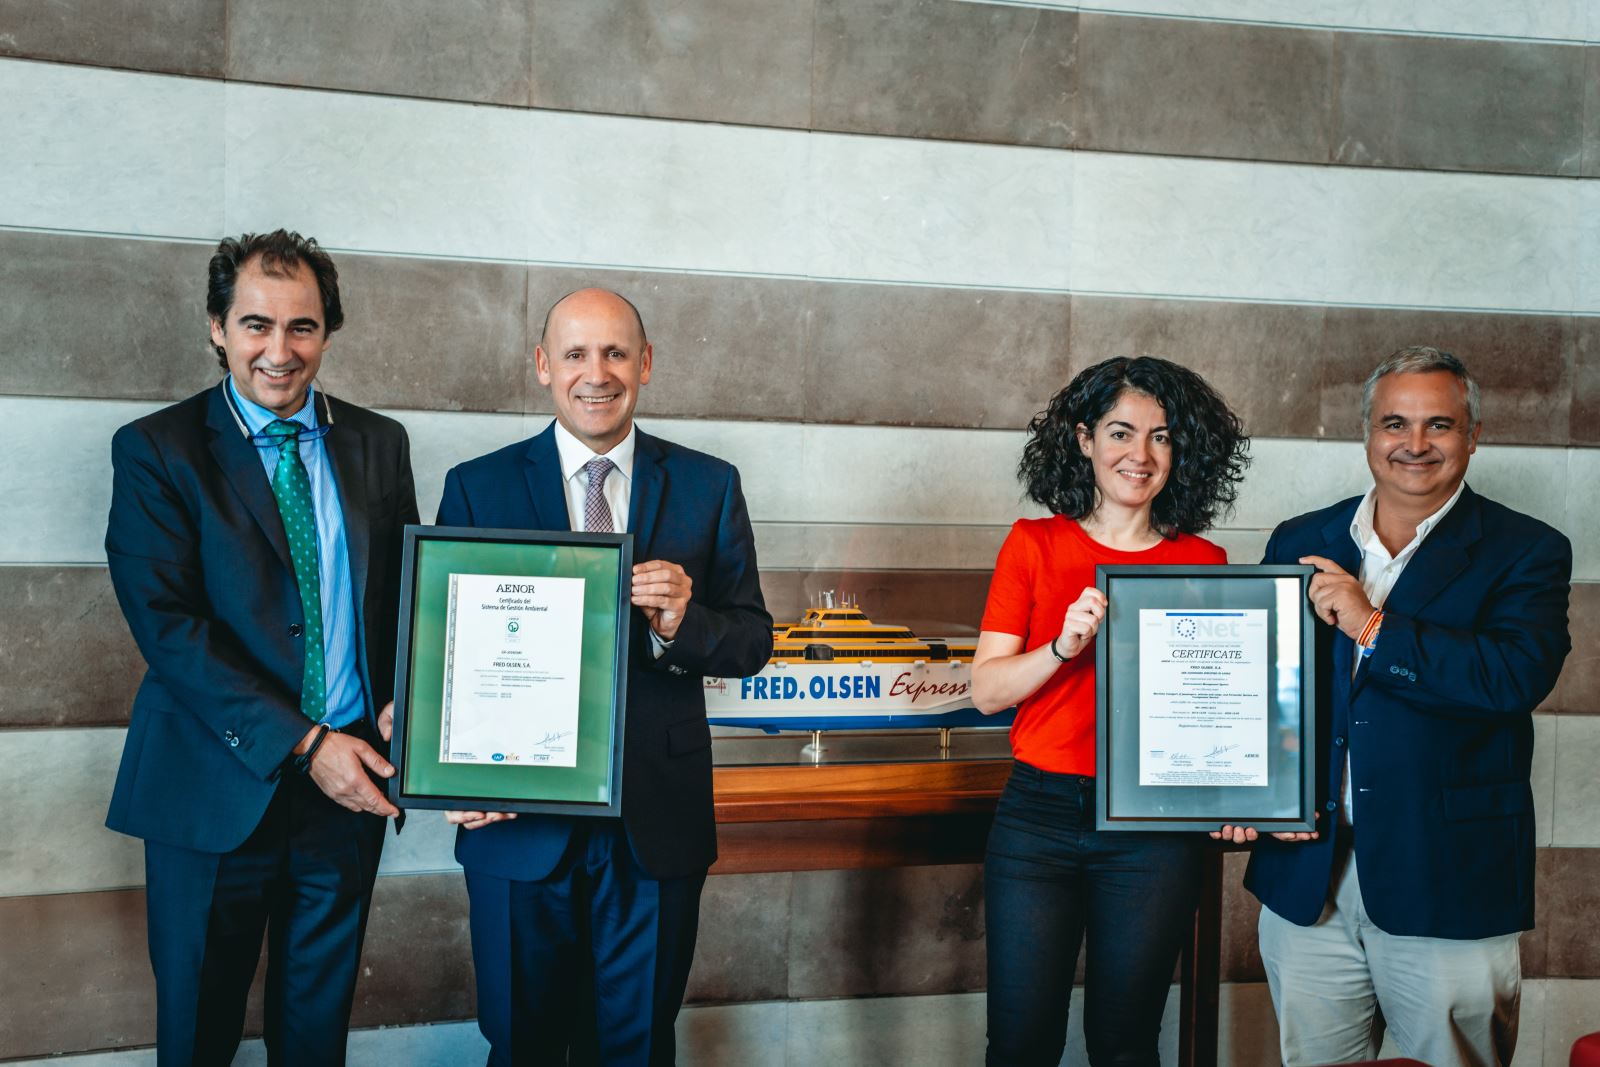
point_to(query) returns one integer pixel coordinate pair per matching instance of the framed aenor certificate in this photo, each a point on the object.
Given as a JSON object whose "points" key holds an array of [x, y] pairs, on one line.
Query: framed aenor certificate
{"points": [[511, 673], [1205, 689]]}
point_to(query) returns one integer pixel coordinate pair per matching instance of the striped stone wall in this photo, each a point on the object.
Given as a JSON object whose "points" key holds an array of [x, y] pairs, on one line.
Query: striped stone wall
{"points": [[870, 238]]}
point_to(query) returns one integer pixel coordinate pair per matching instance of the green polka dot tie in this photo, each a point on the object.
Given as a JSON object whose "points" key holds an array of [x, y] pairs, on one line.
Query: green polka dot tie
{"points": [[292, 486]]}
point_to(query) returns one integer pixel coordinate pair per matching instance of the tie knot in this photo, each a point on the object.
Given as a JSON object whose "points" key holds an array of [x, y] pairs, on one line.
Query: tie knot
{"points": [[597, 469], [284, 431]]}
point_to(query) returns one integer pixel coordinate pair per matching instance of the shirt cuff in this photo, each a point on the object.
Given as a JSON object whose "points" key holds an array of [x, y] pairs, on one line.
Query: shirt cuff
{"points": [[658, 647]]}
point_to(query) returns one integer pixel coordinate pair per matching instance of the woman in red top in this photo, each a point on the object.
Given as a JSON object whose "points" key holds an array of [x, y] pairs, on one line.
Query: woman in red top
{"points": [[1133, 459]]}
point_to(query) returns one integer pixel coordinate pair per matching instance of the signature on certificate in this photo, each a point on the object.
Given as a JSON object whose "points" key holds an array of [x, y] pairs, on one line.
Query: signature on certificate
{"points": [[1220, 749], [551, 738]]}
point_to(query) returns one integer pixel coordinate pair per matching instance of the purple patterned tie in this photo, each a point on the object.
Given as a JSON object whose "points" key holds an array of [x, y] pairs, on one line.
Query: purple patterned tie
{"points": [[596, 512]]}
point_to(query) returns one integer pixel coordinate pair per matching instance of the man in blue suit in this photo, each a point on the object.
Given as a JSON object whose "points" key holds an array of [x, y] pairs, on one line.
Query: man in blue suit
{"points": [[583, 929], [1445, 625], [254, 543]]}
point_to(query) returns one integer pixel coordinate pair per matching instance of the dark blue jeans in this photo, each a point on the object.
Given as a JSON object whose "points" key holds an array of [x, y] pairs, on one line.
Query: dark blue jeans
{"points": [[1050, 883]]}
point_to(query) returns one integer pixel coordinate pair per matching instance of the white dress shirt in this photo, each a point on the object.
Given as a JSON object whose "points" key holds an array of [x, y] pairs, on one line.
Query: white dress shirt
{"points": [[618, 489], [574, 454], [1379, 573]]}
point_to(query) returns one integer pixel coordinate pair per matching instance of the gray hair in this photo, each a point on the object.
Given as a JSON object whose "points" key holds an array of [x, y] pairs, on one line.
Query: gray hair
{"points": [[1420, 359]]}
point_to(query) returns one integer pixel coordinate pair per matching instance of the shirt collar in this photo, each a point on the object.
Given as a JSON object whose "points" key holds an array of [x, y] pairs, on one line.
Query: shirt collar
{"points": [[573, 453], [1364, 532], [256, 418]]}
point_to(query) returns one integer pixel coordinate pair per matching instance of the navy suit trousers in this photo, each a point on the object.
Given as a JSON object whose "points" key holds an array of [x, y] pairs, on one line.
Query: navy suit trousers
{"points": [[304, 880], [564, 963]]}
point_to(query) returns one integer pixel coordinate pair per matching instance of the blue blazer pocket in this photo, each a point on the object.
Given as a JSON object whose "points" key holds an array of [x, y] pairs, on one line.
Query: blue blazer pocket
{"points": [[690, 735], [1498, 800]]}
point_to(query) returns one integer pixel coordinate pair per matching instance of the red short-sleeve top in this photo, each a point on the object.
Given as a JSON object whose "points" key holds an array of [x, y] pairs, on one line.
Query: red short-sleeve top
{"points": [[1044, 565]]}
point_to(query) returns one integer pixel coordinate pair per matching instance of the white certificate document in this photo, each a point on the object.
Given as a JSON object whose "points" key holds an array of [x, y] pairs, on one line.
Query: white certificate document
{"points": [[512, 654], [1203, 684]]}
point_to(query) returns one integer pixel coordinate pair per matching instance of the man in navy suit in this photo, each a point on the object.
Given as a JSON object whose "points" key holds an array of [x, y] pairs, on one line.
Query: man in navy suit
{"points": [[1445, 625], [254, 543], [583, 929]]}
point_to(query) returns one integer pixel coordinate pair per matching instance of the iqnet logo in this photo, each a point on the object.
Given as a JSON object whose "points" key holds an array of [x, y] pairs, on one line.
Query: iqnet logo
{"points": [[1218, 627]]}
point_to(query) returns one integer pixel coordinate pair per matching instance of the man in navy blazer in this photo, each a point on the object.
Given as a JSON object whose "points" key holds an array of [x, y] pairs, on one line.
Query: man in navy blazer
{"points": [[254, 544], [1445, 624], [583, 929]]}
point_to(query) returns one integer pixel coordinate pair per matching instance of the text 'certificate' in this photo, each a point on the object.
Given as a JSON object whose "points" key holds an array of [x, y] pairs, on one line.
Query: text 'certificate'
{"points": [[513, 650], [1203, 679]]}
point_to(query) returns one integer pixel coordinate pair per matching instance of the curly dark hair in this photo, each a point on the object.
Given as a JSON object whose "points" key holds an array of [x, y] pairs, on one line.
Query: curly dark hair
{"points": [[279, 253], [1209, 446]]}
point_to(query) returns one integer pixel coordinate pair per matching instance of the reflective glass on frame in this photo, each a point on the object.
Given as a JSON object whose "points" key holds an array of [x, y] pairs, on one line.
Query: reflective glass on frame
{"points": [[1188, 741]]}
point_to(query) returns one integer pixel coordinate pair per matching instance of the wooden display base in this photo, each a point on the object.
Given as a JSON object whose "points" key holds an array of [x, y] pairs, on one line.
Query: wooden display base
{"points": [[847, 816]]}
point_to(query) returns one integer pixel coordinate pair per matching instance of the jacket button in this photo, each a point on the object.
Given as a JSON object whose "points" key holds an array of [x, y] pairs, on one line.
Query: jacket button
{"points": [[231, 737], [1333, 805], [295, 630], [1393, 669], [1338, 740]]}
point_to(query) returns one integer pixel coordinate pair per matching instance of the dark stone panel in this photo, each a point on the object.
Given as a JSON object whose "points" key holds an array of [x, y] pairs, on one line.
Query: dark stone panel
{"points": [[1241, 953], [725, 347], [174, 36], [439, 335], [74, 973], [1568, 899], [921, 356], [75, 970], [1457, 104], [743, 949], [417, 963], [65, 652], [1585, 425], [930, 68], [1184, 87], [63, 617], [887, 932], [103, 317], [1578, 691], [1523, 363], [745, 61], [1262, 358], [476, 50]]}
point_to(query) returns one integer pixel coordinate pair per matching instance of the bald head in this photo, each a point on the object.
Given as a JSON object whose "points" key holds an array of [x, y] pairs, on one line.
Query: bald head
{"points": [[585, 301]]}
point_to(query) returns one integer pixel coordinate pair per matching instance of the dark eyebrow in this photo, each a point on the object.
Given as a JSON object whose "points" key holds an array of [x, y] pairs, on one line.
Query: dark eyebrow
{"points": [[265, 320], [1451, 419], [1135, 429]]}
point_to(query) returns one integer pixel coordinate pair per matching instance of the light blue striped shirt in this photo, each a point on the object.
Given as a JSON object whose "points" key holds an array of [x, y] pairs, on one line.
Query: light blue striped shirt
{"points": [[346, 703]]}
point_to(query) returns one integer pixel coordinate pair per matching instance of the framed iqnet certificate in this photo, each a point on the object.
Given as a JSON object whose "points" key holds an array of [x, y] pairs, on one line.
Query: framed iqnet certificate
{"points": [[1205, 694], [510, 678]]}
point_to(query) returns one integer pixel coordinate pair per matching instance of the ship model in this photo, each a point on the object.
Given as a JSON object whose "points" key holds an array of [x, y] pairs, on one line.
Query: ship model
{"points": [[836, 669]]}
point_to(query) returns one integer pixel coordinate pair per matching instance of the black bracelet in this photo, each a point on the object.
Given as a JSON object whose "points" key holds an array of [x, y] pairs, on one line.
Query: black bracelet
{"points": [[1053, 651], [302, 762]]}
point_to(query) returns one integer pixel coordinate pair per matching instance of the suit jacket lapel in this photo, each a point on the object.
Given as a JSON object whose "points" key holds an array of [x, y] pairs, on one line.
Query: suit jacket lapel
{"points": [[242, 467], [1340, 547], [649, 482], [1442, 556], [546, 496], [347, 450]]}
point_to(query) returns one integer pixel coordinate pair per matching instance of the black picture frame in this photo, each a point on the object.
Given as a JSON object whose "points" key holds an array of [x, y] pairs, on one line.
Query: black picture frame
{"points": [[421, 779], [1286, 802]]}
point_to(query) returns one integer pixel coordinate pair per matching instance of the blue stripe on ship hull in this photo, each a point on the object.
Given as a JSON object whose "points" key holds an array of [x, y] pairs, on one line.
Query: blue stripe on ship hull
{"points": [[774, 723]]}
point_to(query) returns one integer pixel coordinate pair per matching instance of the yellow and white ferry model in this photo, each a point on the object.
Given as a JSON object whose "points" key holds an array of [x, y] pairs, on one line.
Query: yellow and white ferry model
{"points": [[836, 669]]}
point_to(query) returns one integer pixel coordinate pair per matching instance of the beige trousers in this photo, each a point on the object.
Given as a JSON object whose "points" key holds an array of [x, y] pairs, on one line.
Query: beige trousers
{"points": [[1337, 983]]}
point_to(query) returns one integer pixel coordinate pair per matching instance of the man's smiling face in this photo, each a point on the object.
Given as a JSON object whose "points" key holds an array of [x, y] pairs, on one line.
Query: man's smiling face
{"points": [[274, 336], [1421, 436], [594, 357]]}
